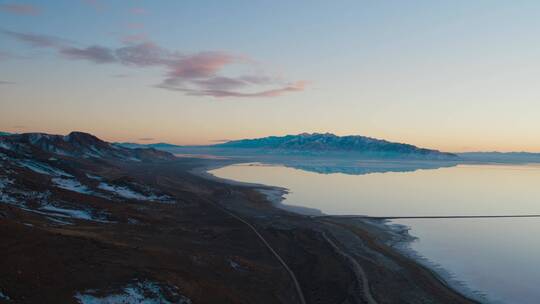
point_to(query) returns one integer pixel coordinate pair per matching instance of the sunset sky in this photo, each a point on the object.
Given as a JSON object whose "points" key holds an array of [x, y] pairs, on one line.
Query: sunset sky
{"points": [[460, 76]]}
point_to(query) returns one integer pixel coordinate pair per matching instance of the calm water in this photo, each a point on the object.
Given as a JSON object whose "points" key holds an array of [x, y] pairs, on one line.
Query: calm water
{"points": [[499, 257]]}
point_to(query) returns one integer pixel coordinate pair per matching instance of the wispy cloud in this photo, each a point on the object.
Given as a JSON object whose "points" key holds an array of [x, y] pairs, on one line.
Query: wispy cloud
{"points": [[2, 82], [20, 9], [292, 87], [221, 83], [147, 139], [197, 74], [96, 54], [198, 66], [37, 40], [144, 54]]}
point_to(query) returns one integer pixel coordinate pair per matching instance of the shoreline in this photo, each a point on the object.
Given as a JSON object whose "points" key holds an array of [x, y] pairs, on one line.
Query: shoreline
{"points": [[399, 240], [274, 194], [446, 277]]}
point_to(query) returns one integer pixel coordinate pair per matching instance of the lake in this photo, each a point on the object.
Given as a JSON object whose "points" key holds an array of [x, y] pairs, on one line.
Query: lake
{"points": [[498, 257]]}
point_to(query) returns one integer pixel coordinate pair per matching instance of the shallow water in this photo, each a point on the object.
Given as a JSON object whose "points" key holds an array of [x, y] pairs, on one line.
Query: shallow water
{"points": [[496, 256]]}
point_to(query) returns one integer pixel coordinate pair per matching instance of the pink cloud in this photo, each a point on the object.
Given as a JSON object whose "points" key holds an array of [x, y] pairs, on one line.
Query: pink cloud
{"points": [[199, 74], [20, 9], [200, 65]]}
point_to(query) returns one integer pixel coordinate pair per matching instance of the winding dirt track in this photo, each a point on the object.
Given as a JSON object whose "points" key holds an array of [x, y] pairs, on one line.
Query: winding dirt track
{"points": [[276, 255], [359, 272]]}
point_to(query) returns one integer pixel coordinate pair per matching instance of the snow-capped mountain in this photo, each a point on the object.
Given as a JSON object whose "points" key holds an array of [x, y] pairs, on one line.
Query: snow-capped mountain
{"points": [[320, 143]]}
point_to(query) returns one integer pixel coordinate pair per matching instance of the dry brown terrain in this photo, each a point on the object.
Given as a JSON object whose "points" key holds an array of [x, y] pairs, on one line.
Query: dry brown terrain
{"points": [[207, 242]]}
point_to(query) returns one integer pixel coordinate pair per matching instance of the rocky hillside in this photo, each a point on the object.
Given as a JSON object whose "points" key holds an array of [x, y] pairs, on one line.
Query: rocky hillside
{"points": [[58, 176], [77, 144]]}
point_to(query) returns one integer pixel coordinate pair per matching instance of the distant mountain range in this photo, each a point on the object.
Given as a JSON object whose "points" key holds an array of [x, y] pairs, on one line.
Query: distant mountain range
{"points": [[79, 144], [331, 143], [312, 144], [76, 144]]}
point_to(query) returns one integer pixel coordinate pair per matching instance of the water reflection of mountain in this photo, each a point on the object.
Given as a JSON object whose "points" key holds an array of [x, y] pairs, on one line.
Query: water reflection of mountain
{"points": [[366, 167], [336, 163]]}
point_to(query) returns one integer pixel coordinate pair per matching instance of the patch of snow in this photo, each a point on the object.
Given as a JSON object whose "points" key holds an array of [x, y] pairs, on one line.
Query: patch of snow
{"points": [[234, 265], [131, 158], [5, 145], [71, 185], [18, 197], [42, 168], [41, 197], [96, 150], [126, 192], [122, 191], [4, 182], [22, 196], [58, 221], [61, 215], [93, 152], [34, 138], [5, 197], [51, 210], [138, 293], [132, 221], [60, 151], [71, 213], [95, 177], [4, 296]]}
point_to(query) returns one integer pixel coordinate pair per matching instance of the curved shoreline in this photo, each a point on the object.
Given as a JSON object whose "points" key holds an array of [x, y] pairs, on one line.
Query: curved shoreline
{"points": [[274, 194], [400, 242], [445, 276]]}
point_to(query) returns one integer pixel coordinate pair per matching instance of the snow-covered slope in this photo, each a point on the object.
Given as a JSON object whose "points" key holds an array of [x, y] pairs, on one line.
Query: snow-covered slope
{"points": [[59, 178]]}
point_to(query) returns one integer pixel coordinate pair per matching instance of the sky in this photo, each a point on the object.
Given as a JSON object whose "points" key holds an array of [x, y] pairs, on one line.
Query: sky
{"points": [[448, 75]]}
